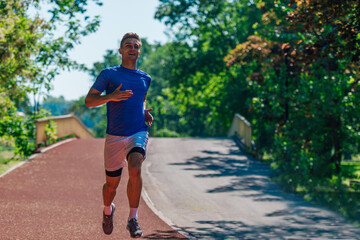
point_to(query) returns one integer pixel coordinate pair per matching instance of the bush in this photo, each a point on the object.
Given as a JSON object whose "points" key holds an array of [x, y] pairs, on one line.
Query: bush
{"points": [[50, 132], [165, 133], [21, 130]]}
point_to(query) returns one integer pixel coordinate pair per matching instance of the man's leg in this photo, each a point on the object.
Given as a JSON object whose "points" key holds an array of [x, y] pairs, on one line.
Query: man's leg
{"points": [[134, 187], [109, 189], [109, 192]]}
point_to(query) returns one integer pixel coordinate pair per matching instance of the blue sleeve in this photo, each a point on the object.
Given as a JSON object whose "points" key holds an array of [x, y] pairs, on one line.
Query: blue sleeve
{"points": [[149, 82], [101, 82]]}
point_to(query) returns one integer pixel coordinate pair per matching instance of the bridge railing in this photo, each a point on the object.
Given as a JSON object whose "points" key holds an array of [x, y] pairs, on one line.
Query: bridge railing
{"points": [[65, 125], [241, 129]]}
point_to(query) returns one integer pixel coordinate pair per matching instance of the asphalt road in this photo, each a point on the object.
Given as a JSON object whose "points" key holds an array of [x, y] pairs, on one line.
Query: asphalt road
{"points": [[209, 189]]}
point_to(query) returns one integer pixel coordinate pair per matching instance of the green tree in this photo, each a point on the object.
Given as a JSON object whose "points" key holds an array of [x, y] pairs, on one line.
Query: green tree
{"points": [[158, 63], [303, 70], [56, 105], [206, 93], [33, 50], [111, 58]]}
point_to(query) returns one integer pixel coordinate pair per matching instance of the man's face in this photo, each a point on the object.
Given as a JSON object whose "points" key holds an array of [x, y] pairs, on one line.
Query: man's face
{"points": [[130, 49]]}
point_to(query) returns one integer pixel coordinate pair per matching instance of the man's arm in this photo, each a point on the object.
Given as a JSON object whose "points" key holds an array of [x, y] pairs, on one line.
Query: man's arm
{"points": [[148, 117], [94, 97]]}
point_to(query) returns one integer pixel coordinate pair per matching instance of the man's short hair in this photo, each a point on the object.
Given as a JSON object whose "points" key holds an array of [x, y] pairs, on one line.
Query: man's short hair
{"points": [[130, 35]]}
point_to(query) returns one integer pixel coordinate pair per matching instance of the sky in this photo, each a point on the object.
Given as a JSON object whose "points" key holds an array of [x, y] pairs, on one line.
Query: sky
{"points": [[117, 18]]}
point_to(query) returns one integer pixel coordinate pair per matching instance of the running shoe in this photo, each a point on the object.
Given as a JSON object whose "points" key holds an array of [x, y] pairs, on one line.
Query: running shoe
{"points": [[134, 228], [107, 223]]}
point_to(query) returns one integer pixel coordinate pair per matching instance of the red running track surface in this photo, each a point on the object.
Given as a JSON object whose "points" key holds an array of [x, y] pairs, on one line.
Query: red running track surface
{"points": [[58, 195]]}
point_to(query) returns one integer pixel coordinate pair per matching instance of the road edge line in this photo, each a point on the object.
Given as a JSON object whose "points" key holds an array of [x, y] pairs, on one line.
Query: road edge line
{"points": [[157, 212], [35, 155]]}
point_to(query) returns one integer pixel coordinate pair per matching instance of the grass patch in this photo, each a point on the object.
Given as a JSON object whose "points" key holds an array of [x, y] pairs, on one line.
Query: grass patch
{"points": [[267, 157], [335, 194], [7, 158], [351, 172], [356, 157], [340, 193], [5, 167], [167, 133]]}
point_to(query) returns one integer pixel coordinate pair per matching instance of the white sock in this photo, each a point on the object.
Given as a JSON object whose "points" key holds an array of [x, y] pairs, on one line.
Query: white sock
{"points": [[133, 213], [107, 210]]}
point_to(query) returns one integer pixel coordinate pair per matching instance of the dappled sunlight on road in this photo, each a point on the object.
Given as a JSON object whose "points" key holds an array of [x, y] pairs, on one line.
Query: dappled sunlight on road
{"points": [[212, 190]]}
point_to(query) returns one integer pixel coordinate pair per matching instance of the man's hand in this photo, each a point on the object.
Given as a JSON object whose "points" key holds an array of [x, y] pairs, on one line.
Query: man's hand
{"points": [[148, 117], [118, 95]]}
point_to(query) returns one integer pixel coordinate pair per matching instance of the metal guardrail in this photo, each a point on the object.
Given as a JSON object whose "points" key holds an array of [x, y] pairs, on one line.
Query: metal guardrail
{"points": [[241, 129], [65, 126]]}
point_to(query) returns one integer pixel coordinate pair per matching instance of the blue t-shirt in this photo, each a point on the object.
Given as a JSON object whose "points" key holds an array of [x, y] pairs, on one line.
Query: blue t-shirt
{"points": [[126, 117]]}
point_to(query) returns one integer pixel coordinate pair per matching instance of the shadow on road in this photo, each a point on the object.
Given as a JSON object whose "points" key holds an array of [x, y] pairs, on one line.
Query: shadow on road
{"points": [[163, 235], [246, 173], [239, 230], [250, 178]]}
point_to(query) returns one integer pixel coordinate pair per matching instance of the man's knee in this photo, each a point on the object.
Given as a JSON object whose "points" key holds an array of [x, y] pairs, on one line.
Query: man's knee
{"points": [[135, 159], [112, 182]]}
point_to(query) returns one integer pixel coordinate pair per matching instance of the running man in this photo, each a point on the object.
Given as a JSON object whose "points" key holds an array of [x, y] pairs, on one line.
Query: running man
{"points": [[126, 134]]}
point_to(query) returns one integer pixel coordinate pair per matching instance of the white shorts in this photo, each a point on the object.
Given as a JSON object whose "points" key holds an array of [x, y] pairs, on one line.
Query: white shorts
{"points": [[118, 147]]}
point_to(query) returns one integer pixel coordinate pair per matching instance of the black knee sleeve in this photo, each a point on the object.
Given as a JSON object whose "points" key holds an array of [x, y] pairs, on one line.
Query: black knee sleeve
{"points": [[116, 173], [136, 149]]}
